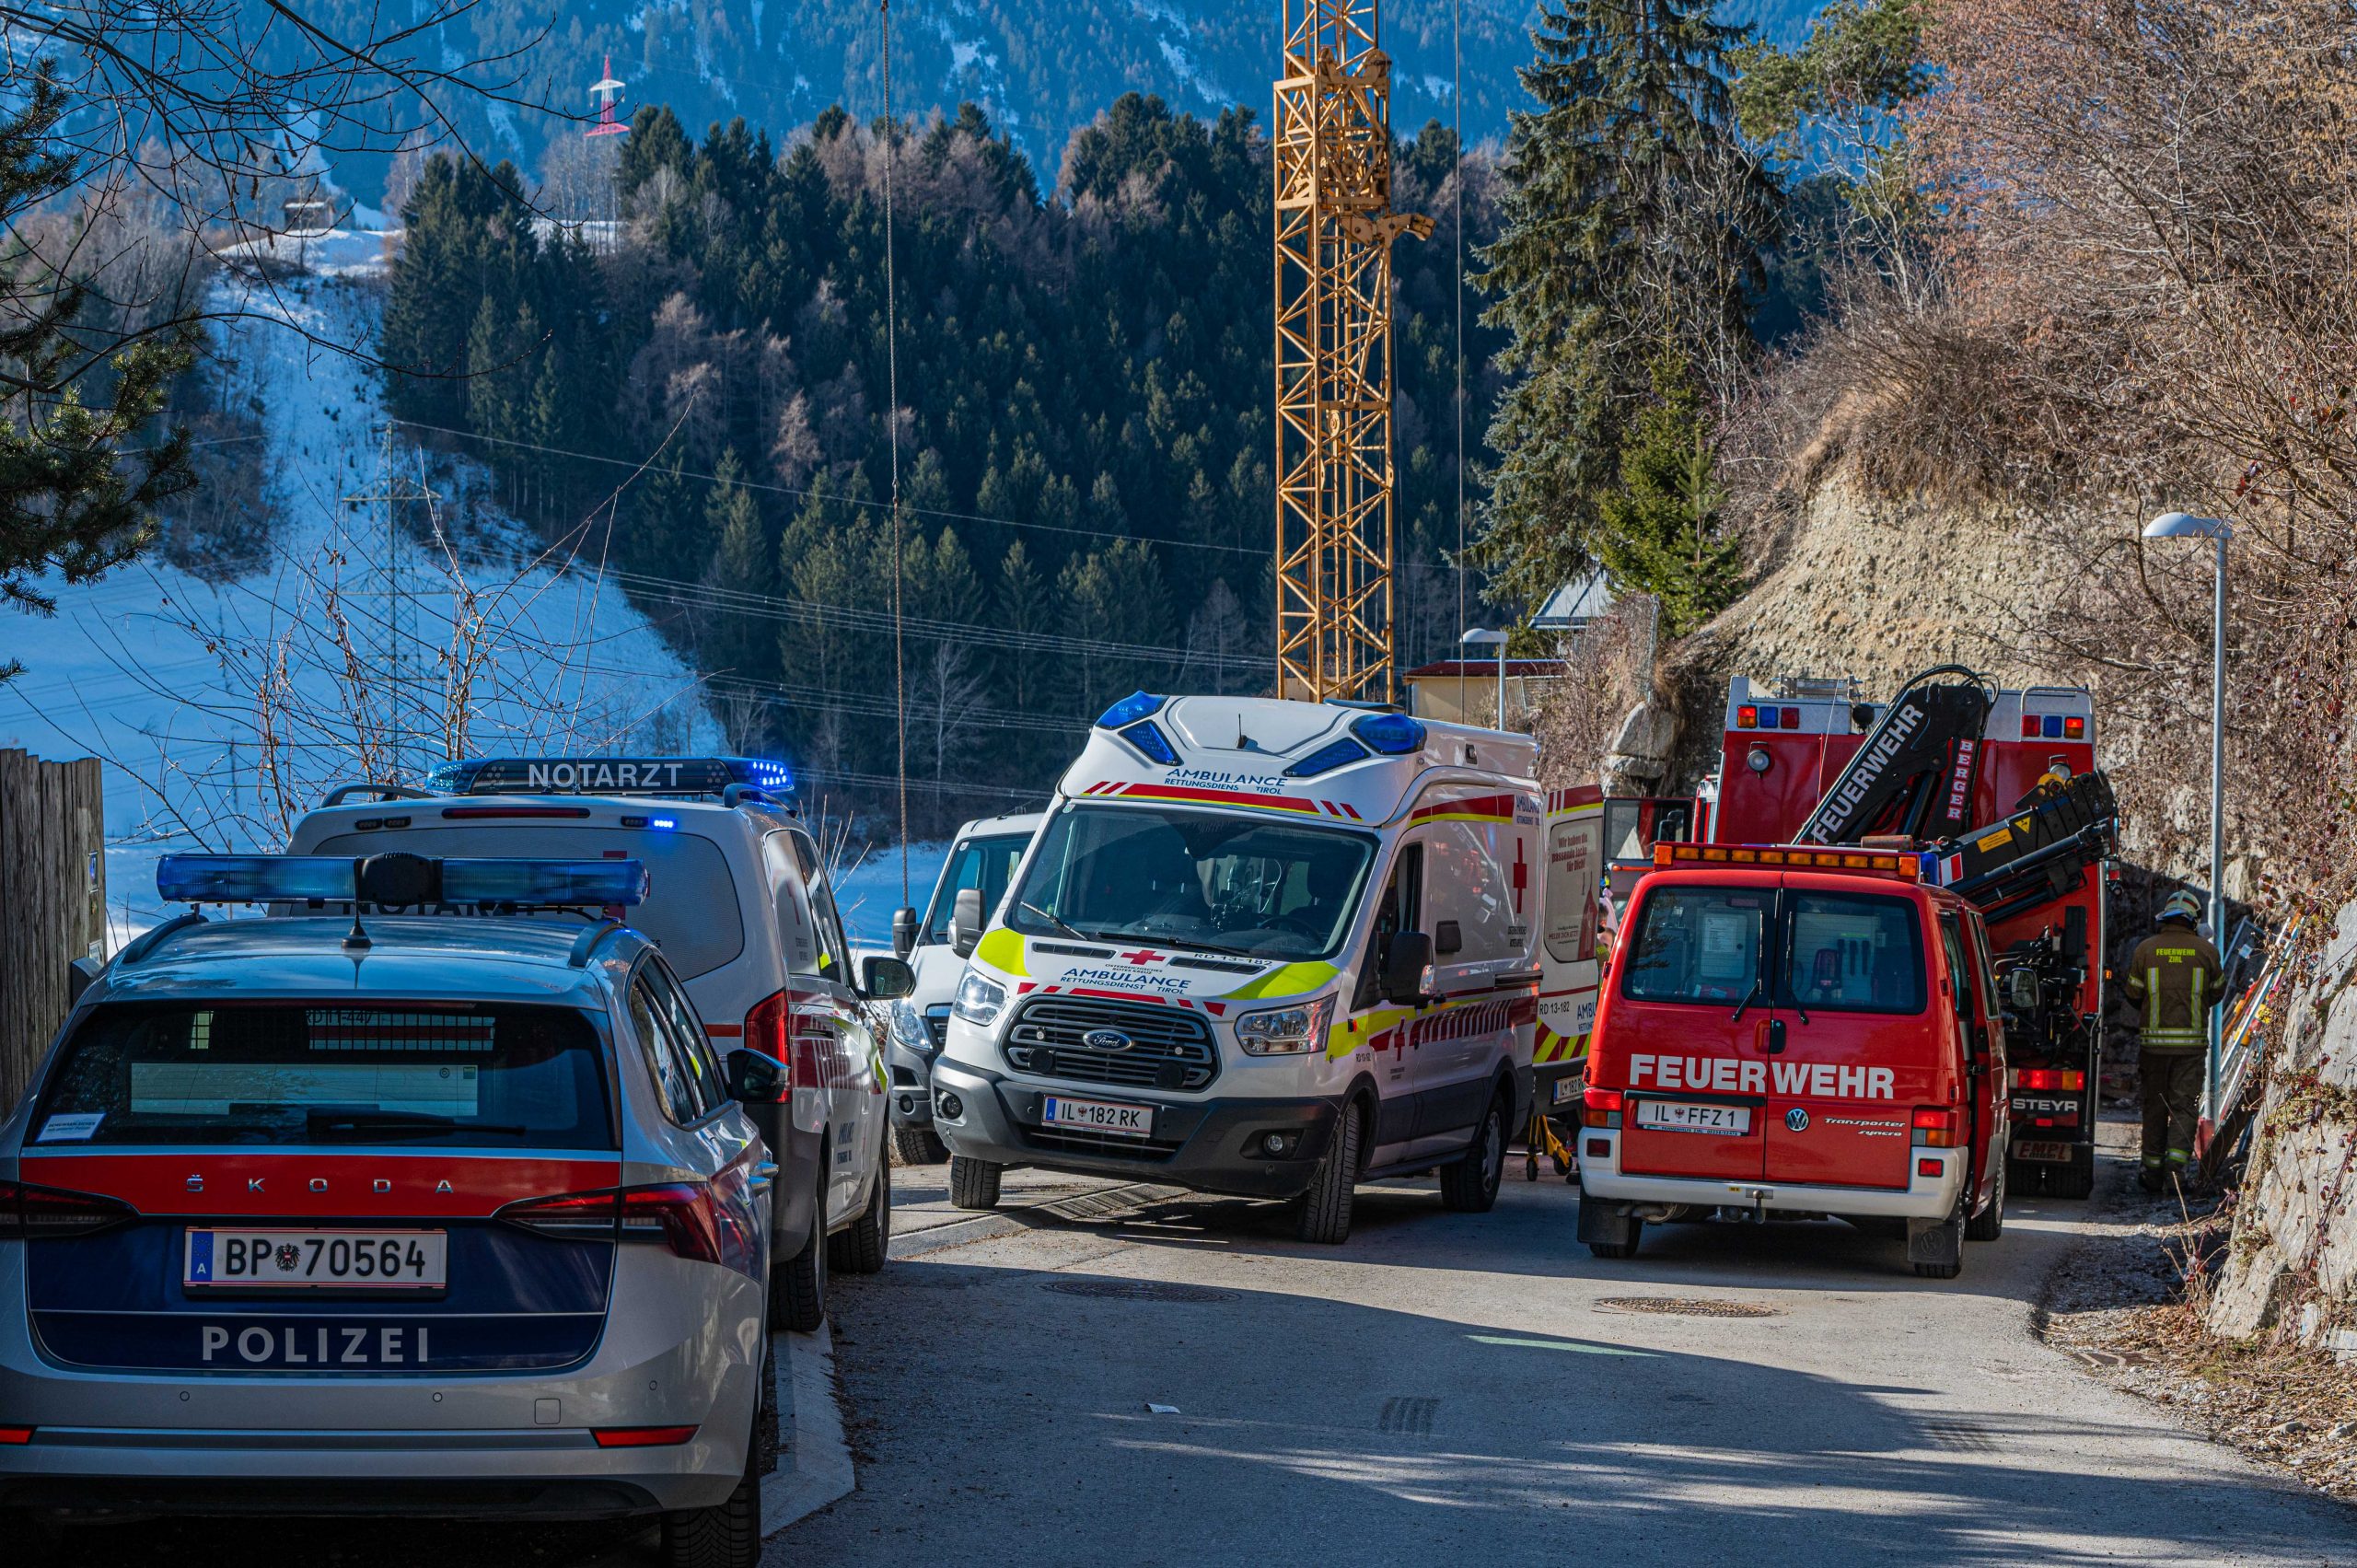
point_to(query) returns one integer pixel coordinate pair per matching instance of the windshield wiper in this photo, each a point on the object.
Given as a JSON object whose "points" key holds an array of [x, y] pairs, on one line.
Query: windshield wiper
{"points": [[319, 1122], [1067, 927], [1748, 998], [1205, 946]]}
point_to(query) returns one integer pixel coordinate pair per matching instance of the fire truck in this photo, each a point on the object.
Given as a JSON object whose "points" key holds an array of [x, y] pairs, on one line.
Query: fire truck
{"points": [[1998, 793]]}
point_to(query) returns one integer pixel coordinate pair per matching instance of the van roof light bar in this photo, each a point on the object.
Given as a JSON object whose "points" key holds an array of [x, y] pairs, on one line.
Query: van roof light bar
{"points": [[399, 881], [1905, 865], [611, 776]]}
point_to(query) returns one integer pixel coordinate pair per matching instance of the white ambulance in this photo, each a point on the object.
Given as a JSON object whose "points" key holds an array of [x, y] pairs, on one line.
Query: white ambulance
{"points": [[1263, 947]]}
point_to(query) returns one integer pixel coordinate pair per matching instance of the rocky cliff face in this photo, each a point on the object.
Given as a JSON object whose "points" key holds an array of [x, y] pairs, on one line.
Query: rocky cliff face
{"points": [[2292, 1266]]}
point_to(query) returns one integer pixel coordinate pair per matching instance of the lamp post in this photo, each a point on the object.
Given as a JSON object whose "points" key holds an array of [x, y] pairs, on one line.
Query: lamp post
{"points": [[1482, 637], [2185, 525]]}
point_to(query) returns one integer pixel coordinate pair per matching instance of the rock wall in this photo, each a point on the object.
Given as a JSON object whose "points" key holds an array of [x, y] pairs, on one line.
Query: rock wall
{"points": [[2292, 1267]]}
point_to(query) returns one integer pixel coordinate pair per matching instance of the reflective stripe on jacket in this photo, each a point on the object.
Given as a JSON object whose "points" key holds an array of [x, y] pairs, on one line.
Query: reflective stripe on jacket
{"points": [[2173, 977]]}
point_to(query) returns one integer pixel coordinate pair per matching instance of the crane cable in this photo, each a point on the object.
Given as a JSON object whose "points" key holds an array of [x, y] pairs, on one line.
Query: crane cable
{"points": [[892, 419], [1457, 181]]}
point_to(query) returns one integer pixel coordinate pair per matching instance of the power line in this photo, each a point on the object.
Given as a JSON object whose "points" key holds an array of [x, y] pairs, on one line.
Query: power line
{"points": [[892, 395]]}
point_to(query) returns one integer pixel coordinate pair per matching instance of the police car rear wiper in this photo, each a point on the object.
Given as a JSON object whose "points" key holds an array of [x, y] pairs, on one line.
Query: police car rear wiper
{"points": [[317, 1121]]}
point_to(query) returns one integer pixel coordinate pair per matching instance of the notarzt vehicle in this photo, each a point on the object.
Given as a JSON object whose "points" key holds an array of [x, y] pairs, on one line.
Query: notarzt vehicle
{"points": [[1263, 947], [739, 901], [405, 1214]]}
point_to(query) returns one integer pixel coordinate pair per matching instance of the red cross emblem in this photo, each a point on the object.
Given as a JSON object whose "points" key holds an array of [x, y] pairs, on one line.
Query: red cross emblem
{"points": [[1521, 874], [1140, 957]]}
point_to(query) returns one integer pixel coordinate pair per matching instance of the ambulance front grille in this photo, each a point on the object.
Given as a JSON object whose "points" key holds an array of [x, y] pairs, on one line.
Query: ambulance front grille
{"points": [[1165, 1048]]}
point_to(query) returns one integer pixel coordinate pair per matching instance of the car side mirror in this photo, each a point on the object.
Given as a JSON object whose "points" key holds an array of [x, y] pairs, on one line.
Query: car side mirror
{"points": [[1447, 937], [904, 933], [885, 979], [966, 922], [78, 975], [756, 1078], [1405, 958]]}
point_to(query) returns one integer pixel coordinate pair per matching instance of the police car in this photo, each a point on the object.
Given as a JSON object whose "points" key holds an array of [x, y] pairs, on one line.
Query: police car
{"points": [[373, 1213], [739, 902]]}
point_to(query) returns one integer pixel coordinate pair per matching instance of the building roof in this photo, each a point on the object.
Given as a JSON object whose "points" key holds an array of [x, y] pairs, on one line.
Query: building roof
{"points": [[1576, 603]]}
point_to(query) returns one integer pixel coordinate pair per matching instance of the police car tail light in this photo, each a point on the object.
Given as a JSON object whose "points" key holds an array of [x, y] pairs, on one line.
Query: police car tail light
{"points": [[679, 1214], [1936, 1126], [641, 1436], [1600, 1107], [32, 1214], [572, 1216]]}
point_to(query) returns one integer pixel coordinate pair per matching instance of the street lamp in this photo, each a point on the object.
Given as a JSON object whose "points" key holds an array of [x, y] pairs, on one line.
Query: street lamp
{"points": [[1482, 637], [2185, 525]]}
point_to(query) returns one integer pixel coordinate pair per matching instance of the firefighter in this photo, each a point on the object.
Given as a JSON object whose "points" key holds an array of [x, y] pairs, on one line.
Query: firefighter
{"points": [[2174, 978]]}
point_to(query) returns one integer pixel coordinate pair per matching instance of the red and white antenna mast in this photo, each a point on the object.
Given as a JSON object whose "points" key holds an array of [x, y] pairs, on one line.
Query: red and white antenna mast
{"points": [[608, 94]]}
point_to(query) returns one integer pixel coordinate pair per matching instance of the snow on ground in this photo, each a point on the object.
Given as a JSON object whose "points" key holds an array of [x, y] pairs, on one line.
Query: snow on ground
{"points": [[154, 670]]}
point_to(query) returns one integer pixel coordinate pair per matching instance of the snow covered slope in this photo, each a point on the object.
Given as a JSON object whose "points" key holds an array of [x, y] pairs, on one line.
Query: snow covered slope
{"points": [[175, 682]]}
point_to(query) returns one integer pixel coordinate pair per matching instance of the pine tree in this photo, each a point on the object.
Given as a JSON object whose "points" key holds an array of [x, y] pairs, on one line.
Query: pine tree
{"points": [[1636, 220], [1661, 524]]}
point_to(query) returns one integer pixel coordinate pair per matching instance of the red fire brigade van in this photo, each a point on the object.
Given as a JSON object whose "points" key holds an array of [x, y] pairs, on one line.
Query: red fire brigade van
{"points": [[1797, 1031]]}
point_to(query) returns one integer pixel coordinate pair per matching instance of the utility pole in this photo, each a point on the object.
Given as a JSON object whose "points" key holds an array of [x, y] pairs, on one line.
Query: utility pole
{"points": [[1334, 231], [391, 489]]}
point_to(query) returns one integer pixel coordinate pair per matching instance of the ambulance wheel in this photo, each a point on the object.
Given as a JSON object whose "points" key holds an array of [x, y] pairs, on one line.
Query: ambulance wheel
{"points": [[1470, 1186], [798, 1286], [919, 1145], [728, 1534], [1616, 1250], [1990, 1223], [973, 1184], [861, 1248], [1325, 1212]]}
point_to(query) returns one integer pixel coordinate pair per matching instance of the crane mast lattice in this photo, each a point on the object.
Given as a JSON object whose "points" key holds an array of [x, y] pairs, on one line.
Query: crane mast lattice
{"points": [[1334, 231]]}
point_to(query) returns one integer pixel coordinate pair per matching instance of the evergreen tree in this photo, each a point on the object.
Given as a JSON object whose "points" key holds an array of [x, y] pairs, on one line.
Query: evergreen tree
{"points": [[1661, 524], [1636, 220]]}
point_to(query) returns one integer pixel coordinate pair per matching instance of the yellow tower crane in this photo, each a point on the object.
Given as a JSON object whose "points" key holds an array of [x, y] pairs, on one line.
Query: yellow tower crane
{"points": [[1335, 226]]}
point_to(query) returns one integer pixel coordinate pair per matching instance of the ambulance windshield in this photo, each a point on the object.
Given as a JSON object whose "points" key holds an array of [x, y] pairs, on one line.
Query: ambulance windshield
{"points": [[1192, 879]]}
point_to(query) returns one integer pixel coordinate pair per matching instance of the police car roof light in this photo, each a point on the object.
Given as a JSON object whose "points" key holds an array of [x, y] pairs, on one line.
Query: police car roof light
{"points": [[609, 775], [1152, 743], [1393, 735], [1130, 709], [306, 879]]}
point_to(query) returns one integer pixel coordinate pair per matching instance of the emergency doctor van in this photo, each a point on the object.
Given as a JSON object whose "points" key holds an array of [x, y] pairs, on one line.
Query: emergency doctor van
{"points": [[1261, 948]]}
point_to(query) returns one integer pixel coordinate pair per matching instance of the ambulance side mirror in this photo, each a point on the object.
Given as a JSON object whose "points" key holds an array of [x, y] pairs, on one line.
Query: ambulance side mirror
{"points": [[966, 922], [1405, 958], [904, 932]]}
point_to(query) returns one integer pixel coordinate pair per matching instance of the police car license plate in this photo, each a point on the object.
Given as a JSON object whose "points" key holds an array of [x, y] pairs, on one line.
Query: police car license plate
{"points": [[1098, 1116], [1681, 1116], [2052, 1152], [372, 1260]]}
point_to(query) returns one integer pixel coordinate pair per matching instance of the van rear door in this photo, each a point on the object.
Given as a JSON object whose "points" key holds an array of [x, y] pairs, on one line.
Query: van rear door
{"points": [[1692, 1024], [1863, 1044]]}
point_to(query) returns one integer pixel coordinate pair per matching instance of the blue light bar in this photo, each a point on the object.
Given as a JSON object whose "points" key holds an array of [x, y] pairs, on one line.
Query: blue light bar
{"points": [[253, 878], [543, 882], [609, 775], [1149, 739], [1393, 735], [1327, 758], [1129, 710]]}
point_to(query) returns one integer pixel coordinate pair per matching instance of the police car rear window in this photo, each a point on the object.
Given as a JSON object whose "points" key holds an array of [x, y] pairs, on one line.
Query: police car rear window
{"points": [[1698, 944], [332, 1073], [690, 909]]}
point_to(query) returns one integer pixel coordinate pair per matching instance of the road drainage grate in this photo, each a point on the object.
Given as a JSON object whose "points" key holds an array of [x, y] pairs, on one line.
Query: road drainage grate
{"points": [[1685, 1307], [1138, 1290], [1409, 1414]]}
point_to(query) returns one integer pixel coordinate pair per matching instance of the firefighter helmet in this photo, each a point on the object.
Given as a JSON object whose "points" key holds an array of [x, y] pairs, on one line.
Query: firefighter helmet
{"points": [[2182, 905]]}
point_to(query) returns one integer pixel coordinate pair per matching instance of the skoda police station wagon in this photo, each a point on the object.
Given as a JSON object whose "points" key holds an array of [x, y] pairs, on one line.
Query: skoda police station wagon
{"points": [[390, 1215], [1260, 948]]}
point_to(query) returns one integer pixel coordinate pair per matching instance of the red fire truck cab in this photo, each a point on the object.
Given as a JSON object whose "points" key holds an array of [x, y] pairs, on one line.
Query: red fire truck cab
{"points": [[1797, 1031]]}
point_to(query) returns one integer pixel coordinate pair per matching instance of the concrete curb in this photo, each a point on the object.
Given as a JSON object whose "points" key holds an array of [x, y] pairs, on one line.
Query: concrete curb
{"points": [[820, 1470]]}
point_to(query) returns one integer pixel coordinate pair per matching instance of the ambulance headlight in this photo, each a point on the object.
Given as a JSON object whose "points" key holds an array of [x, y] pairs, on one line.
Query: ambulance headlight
{"points": [[979, 999], [1291, 1031], [908, 1026]]}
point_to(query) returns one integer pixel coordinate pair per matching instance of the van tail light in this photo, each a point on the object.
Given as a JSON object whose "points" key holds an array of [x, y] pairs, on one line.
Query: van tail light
{"points": [[765, 1031], [1935, 1127], [29, 1213], [14, 1436], [2050, 1078], [679, 1214], [641, 1436], [1600, 1107]]}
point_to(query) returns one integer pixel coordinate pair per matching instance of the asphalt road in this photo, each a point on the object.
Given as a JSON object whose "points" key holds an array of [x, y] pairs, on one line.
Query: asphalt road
{"points": [[1478, 1388]]}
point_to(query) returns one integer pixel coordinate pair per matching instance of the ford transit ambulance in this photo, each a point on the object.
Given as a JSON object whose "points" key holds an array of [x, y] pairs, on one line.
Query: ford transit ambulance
{"points": [[1263, 947], [1797, 1031], [1568, 961]]}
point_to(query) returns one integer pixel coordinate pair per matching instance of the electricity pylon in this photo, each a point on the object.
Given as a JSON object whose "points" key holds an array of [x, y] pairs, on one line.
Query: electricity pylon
{"points": [[1335, 226]]}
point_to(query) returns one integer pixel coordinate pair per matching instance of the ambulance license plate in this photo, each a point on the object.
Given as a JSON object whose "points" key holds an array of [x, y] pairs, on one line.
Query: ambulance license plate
{"points": [[1567, 1089], [372, 1260], [2056, 1154], [1681, 1116], [1098, 1115]]}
